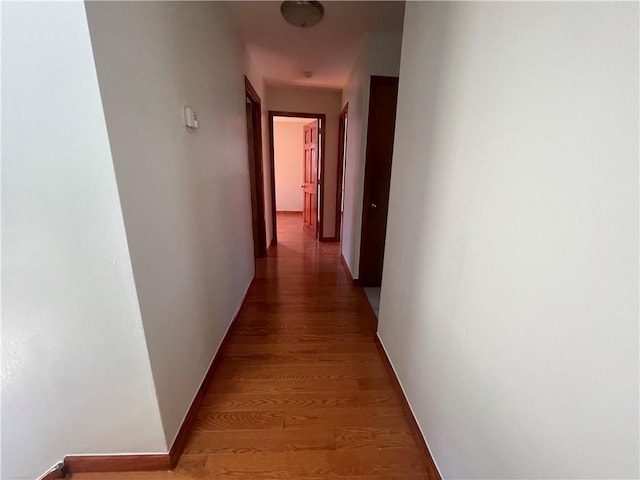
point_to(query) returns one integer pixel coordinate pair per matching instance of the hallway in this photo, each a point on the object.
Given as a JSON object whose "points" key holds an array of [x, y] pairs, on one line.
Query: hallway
{"points": [[301, 391]]}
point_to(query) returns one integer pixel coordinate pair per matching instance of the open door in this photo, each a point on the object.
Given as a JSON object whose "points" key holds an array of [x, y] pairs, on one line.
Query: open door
{"points": [[254, 149], [342, 160], [310, 185], [383, 96]]}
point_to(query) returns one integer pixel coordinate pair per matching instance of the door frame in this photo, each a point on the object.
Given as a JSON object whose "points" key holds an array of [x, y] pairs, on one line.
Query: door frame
{"points": [[256, 175], [342, 152], [322, 129]]}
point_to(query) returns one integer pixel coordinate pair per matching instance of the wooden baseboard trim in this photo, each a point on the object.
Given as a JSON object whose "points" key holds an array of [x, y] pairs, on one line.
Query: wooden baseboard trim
{"points": [[413, 424], [117, 463], [52, 476], [161, 461], [354, 281], [271, 246], [288, 212], [183, 434], [329, 239], [373, 319], [59, 470]]}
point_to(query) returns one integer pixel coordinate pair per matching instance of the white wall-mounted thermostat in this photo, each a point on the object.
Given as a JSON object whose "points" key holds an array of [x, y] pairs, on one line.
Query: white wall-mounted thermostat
{"points": [[190, 117]]}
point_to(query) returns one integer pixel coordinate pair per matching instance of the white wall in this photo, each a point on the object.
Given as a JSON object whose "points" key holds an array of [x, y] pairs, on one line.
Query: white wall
{"points": [[76, 377], [510, 292], [379, 55], [315, 100], [288, 146], [185, 196]]}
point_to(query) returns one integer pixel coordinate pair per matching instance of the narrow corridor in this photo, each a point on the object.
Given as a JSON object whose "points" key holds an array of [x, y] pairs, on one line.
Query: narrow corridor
{"points": [[301, 391]]}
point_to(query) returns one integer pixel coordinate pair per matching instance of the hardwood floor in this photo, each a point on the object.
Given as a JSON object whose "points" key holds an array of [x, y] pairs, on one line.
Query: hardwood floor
{"points": [[301, 391]]}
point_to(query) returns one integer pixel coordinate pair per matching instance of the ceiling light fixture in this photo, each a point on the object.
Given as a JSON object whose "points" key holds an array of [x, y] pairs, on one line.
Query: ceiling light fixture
{"points": [[302, 14]]}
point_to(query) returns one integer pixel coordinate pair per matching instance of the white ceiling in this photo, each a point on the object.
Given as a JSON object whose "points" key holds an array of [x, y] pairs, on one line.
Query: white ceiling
{"points": [[282, 52]]}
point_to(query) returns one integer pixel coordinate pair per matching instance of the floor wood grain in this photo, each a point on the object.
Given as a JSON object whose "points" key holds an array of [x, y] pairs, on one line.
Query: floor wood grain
{"points": [[301, 391]]}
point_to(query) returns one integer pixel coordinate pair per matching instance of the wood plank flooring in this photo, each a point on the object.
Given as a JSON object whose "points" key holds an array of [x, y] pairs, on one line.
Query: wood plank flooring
{"points": [[301, 392]]}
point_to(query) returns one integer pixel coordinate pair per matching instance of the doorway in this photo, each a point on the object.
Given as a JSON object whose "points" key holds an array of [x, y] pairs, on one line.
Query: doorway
{"points": [[256, 177], [383, 95], [342, 165], [297, 164]]}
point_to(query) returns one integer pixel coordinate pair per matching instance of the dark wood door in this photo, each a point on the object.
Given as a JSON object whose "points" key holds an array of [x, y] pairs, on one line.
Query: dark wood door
{"points": [[310, 185], [255, 178], [383, 96]]}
